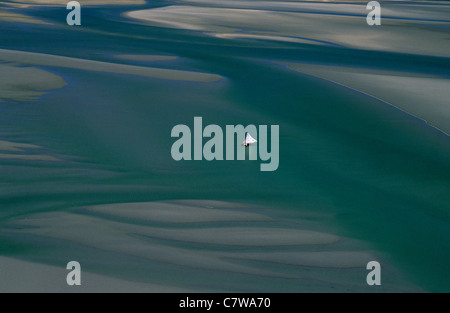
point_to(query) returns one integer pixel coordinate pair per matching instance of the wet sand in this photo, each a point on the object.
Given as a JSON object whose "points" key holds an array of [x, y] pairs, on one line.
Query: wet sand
{"points": [[27, 277], [26, 3], [135, 229], [296, 22], [423, 96], [26, 83], [98, 66]]}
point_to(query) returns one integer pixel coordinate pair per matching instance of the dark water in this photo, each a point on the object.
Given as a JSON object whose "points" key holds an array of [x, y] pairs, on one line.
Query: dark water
{"points": [[383, 175]]}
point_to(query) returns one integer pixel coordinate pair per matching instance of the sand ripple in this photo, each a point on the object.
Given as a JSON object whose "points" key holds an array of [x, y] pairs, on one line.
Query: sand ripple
{"points": [[209, 238]]}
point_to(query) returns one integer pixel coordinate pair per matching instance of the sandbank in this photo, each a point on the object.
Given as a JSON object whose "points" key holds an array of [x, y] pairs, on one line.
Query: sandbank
{"points": [[423, 96], [41, 59]]}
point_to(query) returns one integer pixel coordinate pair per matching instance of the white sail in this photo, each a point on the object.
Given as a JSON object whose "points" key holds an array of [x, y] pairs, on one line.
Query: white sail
{"points": [[249, 140]]}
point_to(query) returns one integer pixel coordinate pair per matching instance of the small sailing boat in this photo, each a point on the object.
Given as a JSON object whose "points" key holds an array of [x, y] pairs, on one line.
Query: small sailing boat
{"points": [[248, 140]]}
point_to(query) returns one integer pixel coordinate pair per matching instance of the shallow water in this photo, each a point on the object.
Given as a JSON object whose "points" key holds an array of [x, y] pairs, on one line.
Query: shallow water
{"points": [[350, 165]]}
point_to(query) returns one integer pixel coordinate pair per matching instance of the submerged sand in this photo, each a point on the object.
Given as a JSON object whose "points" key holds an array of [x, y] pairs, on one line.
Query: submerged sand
{"points": [[23, 277], [106, 67], [8, 16], [219, 238], [173, 212], [26, 83], [423, 96], [23, 151], [146, 57], [15, 146]]}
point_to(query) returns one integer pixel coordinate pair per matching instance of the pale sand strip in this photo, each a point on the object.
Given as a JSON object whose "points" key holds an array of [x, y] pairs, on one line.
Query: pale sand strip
{"points": [[8, 16], [173, 213], [328, 259], [326, 27], [200, 18], [211, 204], [422, 96], [418, 10], [26, 83], [22, 147], [182, 213], [23, 277], [15, 146], [98, 66], [245, 236], [146, 57], [29, 157], [241, 236], [25, 3], [266, 37]]}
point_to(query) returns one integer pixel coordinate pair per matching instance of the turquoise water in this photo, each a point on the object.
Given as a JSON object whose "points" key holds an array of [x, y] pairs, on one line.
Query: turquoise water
{"points": [[381, 174]]}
